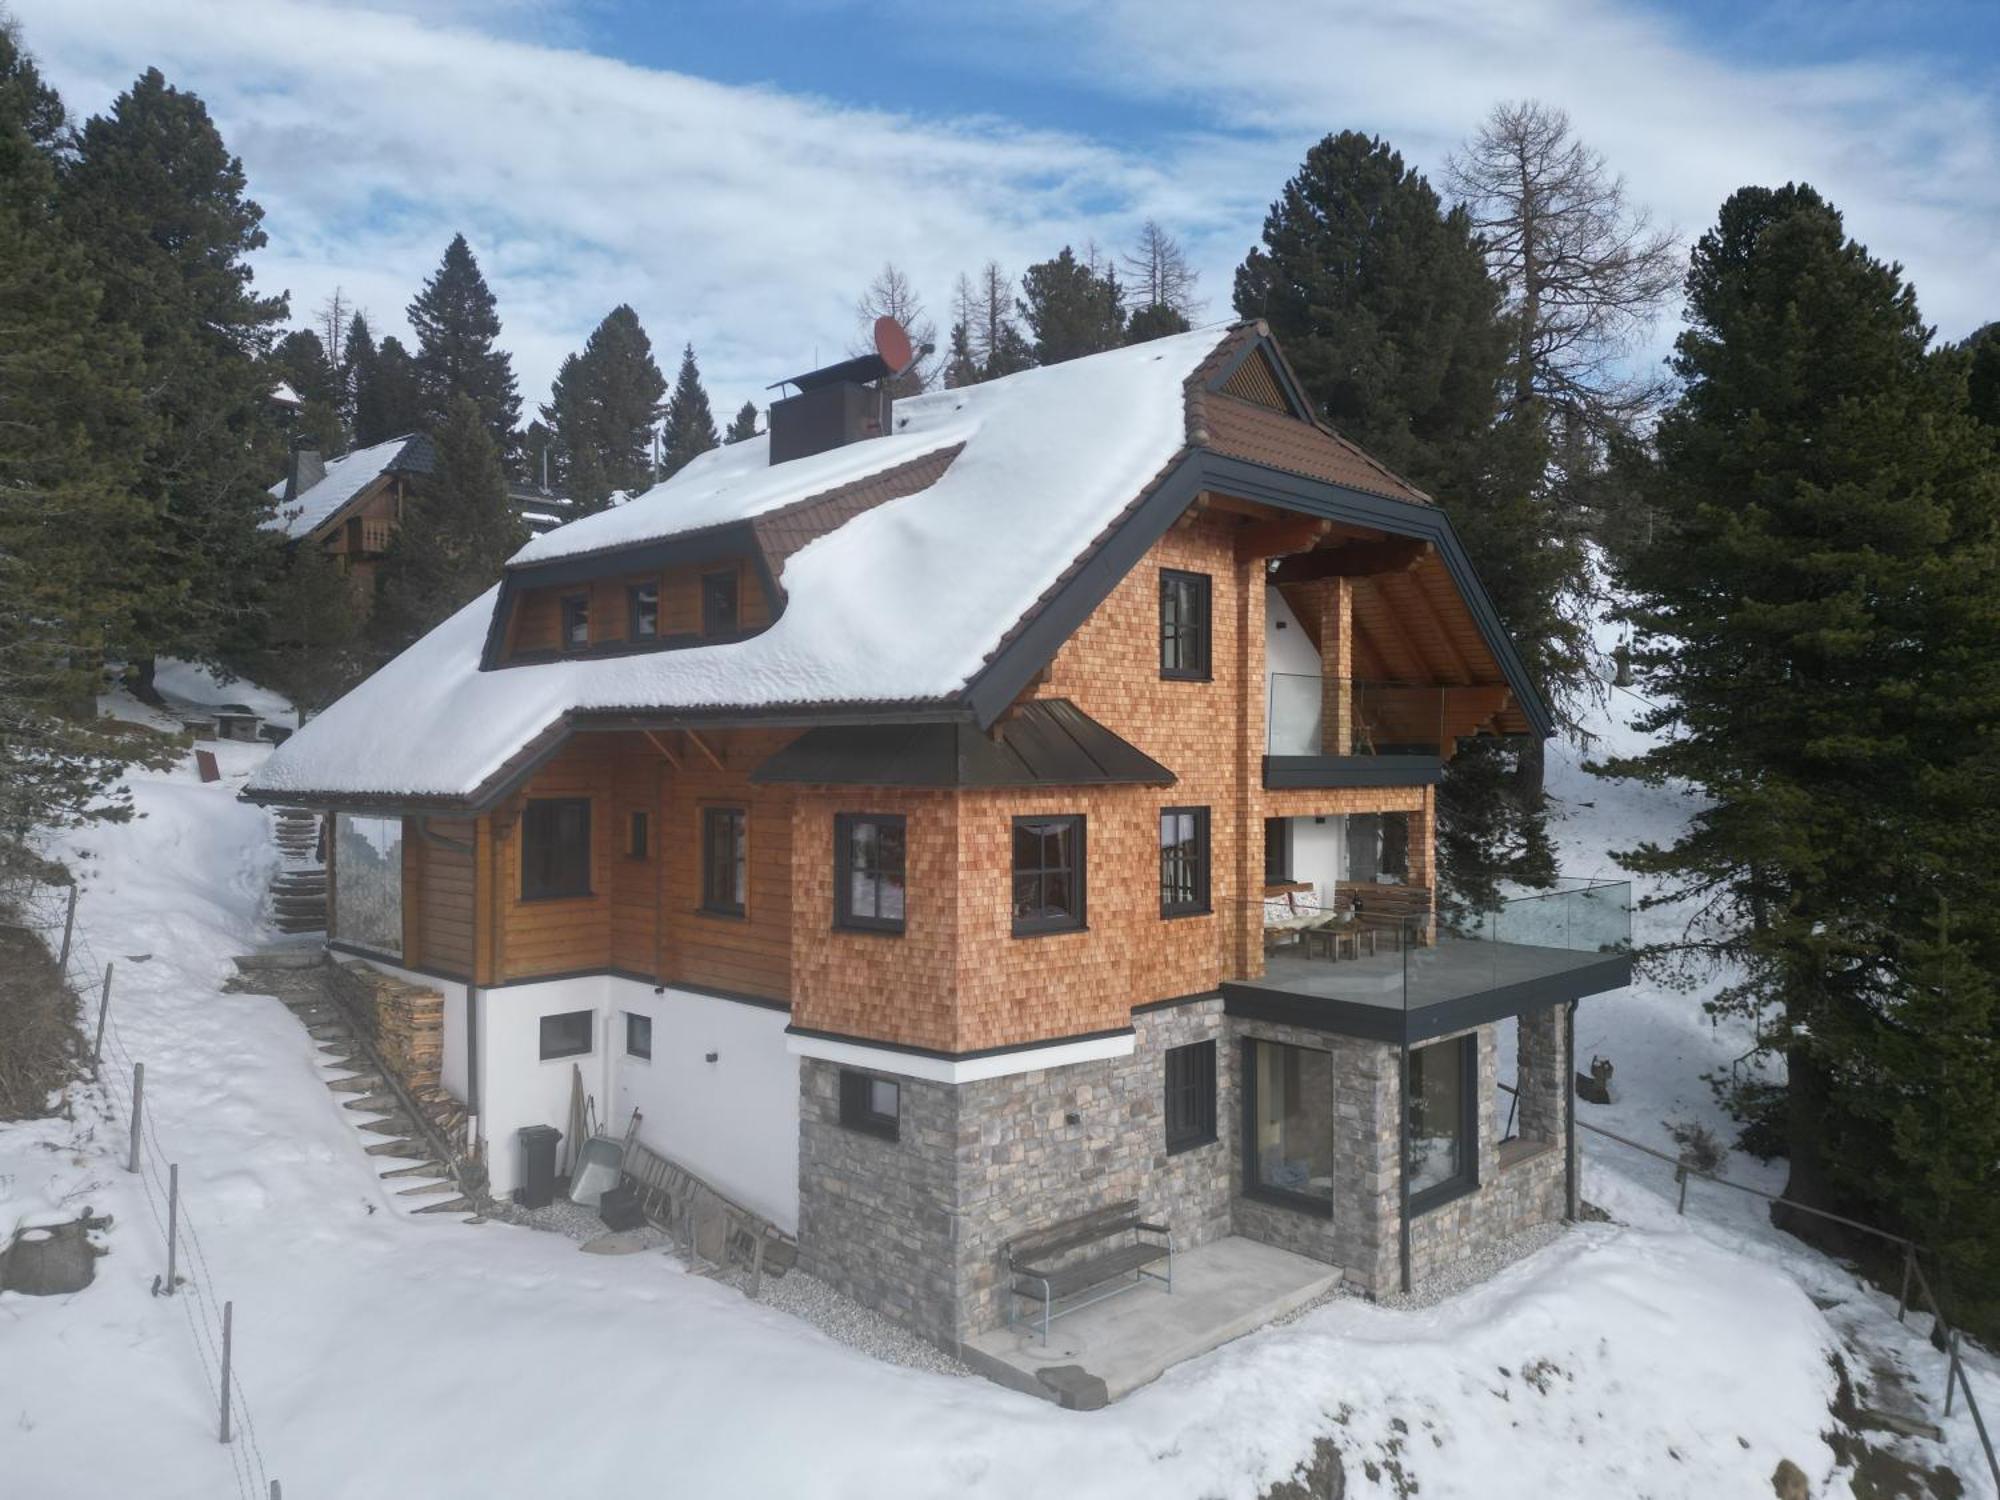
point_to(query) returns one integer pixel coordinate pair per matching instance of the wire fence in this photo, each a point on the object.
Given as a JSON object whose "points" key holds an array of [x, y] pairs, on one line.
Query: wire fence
{"points": [[33, 902]]}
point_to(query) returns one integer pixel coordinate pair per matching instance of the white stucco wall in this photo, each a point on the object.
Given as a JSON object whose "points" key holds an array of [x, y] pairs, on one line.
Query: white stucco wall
{"points": [[1291, 680], [1319, 853]]}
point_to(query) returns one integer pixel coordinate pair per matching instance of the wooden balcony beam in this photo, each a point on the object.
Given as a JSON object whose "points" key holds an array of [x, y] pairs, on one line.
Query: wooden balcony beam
{"points": [[1279, 538], [1352, 560]]}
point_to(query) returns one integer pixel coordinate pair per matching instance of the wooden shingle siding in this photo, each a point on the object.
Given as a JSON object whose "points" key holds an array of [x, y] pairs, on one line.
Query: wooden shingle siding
{"points": [[1254, 380]]}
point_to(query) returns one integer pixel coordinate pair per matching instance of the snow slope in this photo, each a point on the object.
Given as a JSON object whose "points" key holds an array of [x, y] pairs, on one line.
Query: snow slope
{"points": [[383, 1355]]}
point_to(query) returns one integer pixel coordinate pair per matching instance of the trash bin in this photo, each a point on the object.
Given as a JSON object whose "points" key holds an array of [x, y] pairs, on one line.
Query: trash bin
{"points": [[538, 1166]]}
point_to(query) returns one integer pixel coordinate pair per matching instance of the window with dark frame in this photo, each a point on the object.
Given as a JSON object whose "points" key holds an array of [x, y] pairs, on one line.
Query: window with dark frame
{"points": [[1048, 874], [724, 865], [644, 602], [1183, 861], [1378, 847], [639, 836], [1288, 1125], [576, 622], [870, 1103], [555, 848], [1277, 851], [1444, 1121], [1184, 624], [567, 1035], [719, 611], [868, 871], [1190, 1101], [638, 1035]]}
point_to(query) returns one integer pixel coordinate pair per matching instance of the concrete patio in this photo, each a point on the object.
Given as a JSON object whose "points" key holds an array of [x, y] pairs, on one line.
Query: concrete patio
{"points": [[1222, 1290]]}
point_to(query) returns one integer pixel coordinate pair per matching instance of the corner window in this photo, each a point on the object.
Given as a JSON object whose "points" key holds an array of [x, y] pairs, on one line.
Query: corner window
{"points": [[1277, 851], [638, 836], [870, 1104], [1184, 633], [1183, 861], [724, 861], [1048, 874], [1190, 1106], [566, 1035], [555, 848], [1444, 1125], [643, 603], [1378, 847], [719, 603], [576, 622], [1288, 1125], [367, 904], [868, 864], [638, 1035]]}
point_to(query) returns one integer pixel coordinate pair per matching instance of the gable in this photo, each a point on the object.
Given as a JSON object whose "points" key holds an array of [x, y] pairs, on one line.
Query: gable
{"points": [[1256, 380]]}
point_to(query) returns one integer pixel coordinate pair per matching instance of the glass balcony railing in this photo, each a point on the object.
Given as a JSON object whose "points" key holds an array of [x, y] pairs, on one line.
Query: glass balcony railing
{"points": [[1365, 945], [1311, 715]]}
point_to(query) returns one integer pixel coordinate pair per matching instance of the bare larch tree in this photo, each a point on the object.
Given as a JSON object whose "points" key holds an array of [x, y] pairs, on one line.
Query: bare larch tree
{"points": [[891, 295], [1157, 274]]}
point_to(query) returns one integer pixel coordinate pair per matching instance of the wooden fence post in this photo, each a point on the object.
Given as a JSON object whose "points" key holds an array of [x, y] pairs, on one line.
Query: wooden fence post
{"points": [[1951, 1371], [173, 1219], [103, 1008], [228, 1319], [138, 1112], [69, 927], [1903, 1301]]}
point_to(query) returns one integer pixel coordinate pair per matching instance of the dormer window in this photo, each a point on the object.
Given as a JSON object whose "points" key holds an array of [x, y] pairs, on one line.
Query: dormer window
{"points": [[643, 600], [719, 603], [576, 622]]}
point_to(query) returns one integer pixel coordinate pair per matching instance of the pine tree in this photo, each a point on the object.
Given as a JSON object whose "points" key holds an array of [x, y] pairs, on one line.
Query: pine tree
{"points": [[1383, 303], [1824, 567], [300, 360], [1071, 308], [743, 424], [1156, 320], [155, 204], [456, 321], [72, 428], [457, 532], [690, 429], [357, 353], [388, 395], [603, 408], [1983, 379]]}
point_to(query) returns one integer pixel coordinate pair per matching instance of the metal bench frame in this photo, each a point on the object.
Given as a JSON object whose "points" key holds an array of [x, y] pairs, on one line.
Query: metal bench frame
{"points": [[1075, 1233]]}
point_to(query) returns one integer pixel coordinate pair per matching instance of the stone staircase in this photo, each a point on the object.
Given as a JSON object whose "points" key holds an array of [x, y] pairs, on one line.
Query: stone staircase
{"points": [[298, 890]]}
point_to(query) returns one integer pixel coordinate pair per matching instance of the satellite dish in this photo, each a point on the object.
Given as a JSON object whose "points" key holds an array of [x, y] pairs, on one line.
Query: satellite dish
{"points": [[893, 345]]}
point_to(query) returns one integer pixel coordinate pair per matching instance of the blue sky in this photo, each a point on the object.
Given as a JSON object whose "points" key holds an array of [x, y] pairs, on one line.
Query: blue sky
{"points": [[739, 171]]}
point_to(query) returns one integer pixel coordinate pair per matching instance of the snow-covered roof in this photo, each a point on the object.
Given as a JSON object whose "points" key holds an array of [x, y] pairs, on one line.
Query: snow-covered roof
{"points": [[345, 478], [902, 603], [284, 395]]}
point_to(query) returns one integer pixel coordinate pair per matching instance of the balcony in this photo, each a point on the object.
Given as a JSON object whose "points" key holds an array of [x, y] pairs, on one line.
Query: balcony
{"points": [[1413, 977], [1331, 732]]}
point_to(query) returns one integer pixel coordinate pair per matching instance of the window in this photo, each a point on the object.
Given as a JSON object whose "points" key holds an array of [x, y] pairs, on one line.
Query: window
{"points": [[1183, 861], [718, 603], [868, 872], [1378, 847], [1190, 1096], [576, 622], [724, 868], [1288, 1125], [1277, 851], [1048, 874], [566, 1035], [643, 603], [1444, 1126], [368, 883], [638, 1036], [1183, 624], [555, 848], [869, 1103]]}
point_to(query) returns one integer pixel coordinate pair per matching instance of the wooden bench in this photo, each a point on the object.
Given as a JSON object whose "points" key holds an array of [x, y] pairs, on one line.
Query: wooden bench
{"points": [[1119, 1256]]}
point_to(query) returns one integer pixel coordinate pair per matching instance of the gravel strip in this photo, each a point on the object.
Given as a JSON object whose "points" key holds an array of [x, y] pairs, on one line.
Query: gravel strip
{"points": [[1468, 1273], [846, 1321]]}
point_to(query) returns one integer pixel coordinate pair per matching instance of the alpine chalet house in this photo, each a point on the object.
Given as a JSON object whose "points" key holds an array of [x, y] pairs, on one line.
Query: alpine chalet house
{"points": [[350, 506], [986, 821]]}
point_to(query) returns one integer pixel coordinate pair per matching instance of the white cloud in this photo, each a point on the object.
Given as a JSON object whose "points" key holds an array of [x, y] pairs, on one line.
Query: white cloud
{"points": [[746, 219]]}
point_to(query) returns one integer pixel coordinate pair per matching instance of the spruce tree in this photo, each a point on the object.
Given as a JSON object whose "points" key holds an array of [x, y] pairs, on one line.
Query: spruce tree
{"points": [[1817, 610], [154, 202], [357, 353], [388, 395], [603, 407], [1382, 300], [300, 360], [1071, 308], [1156, 320], [690, 429], [743, 425], [456, 535], [1983, 377], [960, 368], [456, 322]]}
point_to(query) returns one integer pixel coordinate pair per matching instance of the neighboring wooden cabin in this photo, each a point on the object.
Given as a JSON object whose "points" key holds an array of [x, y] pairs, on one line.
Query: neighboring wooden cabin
{"points": [[350, 506]]}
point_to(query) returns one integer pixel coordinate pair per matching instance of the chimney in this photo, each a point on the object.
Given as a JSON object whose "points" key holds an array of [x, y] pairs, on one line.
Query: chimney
{"points": [[843, 403], [307, 469]]}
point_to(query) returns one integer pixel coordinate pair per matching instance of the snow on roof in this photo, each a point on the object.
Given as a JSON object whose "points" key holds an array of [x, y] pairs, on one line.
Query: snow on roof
{"points": [[284, 395], [346, 477], [902, 604]]}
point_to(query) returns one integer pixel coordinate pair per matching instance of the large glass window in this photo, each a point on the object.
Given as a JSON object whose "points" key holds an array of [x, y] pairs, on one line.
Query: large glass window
{"points": [[368, 883], [1183, 861], [1048, 874], [868, 871], [1378, 847], [1277, 851], [1184, 608], [1289, 1113], [555, 848], [1444, 1129], [724, 860]]}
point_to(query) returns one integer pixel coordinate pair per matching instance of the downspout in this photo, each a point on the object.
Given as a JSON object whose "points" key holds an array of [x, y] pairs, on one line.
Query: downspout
{"points": [[1570, 1184]]}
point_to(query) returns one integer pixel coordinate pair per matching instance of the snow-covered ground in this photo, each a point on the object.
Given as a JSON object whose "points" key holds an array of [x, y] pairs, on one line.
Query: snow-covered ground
{"points": [[385, 1355]]}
